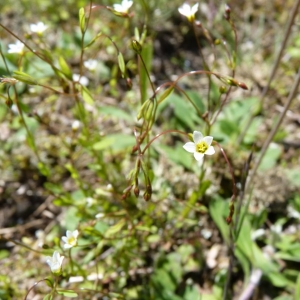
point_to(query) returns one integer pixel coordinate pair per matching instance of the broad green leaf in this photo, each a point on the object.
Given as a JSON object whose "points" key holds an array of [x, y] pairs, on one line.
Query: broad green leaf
{"points": [[279, 280], [116, 112], [271, 156], [116, 142], [218, 209]]}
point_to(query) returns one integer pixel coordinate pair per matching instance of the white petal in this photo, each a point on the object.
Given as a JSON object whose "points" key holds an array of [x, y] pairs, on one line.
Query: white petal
{"points": [[208, 140], [195, 8], [64, 239], [67, 246], [210, 151], [197, 136], [189, 147], [198, 156], [184, 9], [75, 233]]}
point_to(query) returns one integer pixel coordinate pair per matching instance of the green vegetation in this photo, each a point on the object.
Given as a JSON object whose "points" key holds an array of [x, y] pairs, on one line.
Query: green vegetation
{"points": [[108, 188]]}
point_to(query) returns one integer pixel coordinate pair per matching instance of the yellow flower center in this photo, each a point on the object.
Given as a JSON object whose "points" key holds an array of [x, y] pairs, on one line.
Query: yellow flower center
{"points": [[72, 241], [201, 147]]}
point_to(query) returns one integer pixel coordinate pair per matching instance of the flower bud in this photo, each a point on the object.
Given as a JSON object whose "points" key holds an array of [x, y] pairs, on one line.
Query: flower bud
{"points": [[222, 89], [136, 191], [137, 47]]}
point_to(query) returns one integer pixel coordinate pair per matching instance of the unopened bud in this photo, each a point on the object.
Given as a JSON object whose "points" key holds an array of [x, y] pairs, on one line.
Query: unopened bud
{"points": [[222, 89], [137, 47], [9, 103], [227, 12], [242, 85], [126, 192], [136, 191], [129, 83], [134, 149], [147, 196]]}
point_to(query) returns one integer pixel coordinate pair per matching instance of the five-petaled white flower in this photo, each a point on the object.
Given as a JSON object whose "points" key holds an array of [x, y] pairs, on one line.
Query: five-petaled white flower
{"points": [[123, 7], [39, 27], [71, 239], [55, 262], [16, 48], [188, 11], [201, 146]]}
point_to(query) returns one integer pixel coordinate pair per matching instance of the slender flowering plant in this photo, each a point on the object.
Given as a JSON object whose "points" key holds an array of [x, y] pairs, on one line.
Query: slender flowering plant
{"points": [[189, 11], [55, 262], [71, 239], [200, 146], [123, 7]]}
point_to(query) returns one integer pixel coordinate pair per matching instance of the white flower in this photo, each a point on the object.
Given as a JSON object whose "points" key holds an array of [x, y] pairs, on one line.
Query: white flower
{"points": [[39, 28], [201, 146], [124, 7], [55, 262], [16, 48], [188, 11], [75, 125], [90, 64], [99, 216], [89, 201], [71, 239], [82, 80]]}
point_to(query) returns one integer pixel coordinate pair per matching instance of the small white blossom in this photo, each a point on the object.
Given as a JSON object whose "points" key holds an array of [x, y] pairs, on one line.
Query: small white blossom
{"points": [[99, 216], [82, 80], [89, 201], [71, 239], [123, 7], [201, 146], [76, 125], [39, 28], [16, 48], [90, 64], [55, 262], [188, 11]]}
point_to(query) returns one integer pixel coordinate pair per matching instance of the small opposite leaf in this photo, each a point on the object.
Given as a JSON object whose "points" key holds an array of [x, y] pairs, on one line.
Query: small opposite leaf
{"points": [[81, 19], [115, 228], [93, 40], [67, 293], [21, 76], [65, 68], [86, 95], [121, 63], [165, 94]]}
